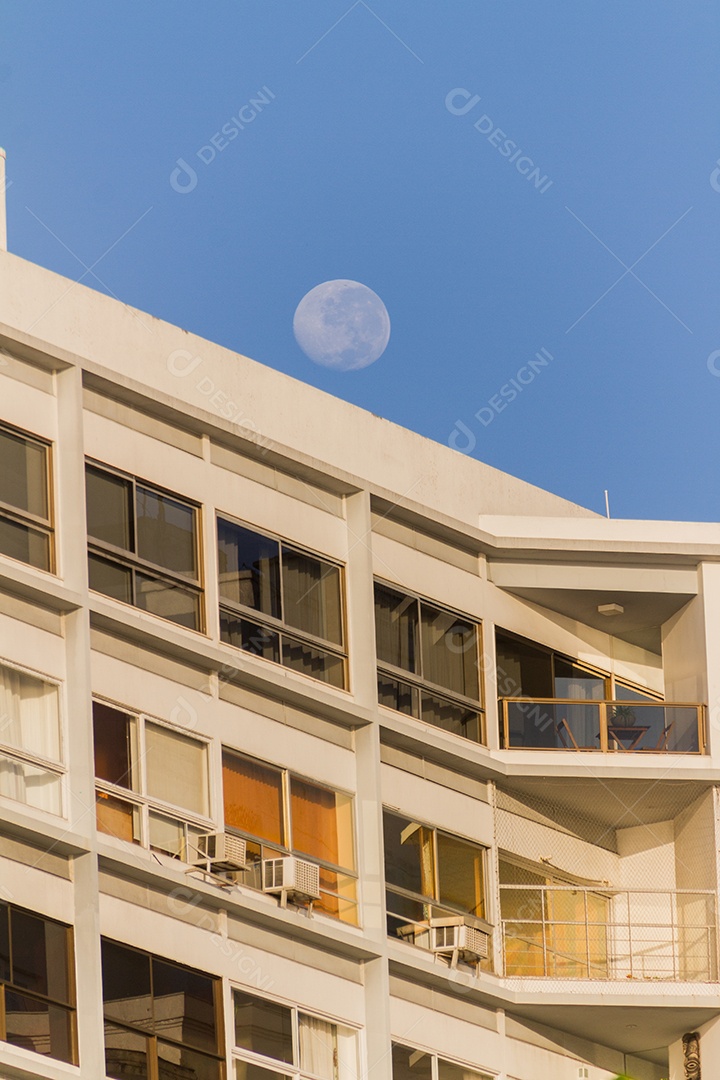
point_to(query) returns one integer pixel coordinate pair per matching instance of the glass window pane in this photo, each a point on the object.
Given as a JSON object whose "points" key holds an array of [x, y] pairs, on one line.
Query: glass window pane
{"points": [[409, 1064], [253, 798], [396, 628], [126, 985], [168, 601], [321, 823], [318, 1046], [249, 568], [450, 651], [29, 713], [35, 1025], [166, 532], [176, 768], [338, 896], [117, 818], [449, 716], [184, 1005], [460, 872], [523, 670], [311, 595], [39, 955], [251, 637], [572, 681], [179, 1063], [110, 579], [448, 1070], [113, 735], [23, 474], [397, 695], [409, 855], [166, 835], [248, 1070], [109, 508], [30, 784], [27, 545], [125, 1054], [263, 1027], [313, 662]]}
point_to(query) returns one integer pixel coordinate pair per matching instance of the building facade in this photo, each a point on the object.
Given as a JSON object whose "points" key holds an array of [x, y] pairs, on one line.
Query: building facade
{"points": [[325, 751]]}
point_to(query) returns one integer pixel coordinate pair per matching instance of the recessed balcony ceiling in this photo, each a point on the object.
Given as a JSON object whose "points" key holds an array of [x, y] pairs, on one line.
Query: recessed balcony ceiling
{"points": [[639, 623]]}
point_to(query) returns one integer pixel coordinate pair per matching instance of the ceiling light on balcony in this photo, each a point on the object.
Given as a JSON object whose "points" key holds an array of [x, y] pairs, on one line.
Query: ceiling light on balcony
{"points": [[611, 609]]}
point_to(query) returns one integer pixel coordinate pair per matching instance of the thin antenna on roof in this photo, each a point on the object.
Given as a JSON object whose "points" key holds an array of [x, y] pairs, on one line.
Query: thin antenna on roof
{"points": [[3, 212], [607, 504]]}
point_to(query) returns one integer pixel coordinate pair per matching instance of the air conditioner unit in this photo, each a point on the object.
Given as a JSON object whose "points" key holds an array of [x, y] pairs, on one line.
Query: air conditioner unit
{"points": [[220, 851], [289, 876], [457, 937]]}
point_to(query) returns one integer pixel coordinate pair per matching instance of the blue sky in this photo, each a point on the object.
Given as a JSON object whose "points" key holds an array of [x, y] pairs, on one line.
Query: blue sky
{"points": [[356, 168]]}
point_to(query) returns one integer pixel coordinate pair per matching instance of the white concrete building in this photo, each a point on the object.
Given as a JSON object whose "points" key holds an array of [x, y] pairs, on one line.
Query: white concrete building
{"points": [[475, 724]]}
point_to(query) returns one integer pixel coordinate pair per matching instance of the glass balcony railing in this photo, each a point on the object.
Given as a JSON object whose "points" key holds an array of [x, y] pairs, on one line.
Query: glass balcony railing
{"points": [[572, 724], [569, 932]]}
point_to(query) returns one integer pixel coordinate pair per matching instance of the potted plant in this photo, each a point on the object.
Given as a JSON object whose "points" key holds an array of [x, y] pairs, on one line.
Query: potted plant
{"points": [[623, 716]]}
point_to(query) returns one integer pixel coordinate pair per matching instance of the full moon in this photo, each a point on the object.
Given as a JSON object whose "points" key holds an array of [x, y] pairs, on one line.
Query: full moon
{"points": [[342, 325]]}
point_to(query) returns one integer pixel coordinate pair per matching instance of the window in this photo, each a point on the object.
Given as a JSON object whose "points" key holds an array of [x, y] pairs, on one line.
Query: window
{"points": [[274, 1040], [162, 1020], [31, 769], [281, 813], [26, 531], [411, 1064], [151, 781], [37, 984], [429, 874], [428, 662], [281, 603], [143, 547]]}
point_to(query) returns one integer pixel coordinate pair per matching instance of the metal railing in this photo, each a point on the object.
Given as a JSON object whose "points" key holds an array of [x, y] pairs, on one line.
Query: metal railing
{"points": [[614, 726], [569, 932]]}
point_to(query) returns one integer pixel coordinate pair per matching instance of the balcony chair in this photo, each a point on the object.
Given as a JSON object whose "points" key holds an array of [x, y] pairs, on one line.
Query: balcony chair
{"points": [[562, 729]]}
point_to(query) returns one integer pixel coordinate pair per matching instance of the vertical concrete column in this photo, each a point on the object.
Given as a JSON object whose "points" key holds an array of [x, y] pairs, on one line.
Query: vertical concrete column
{"points": [[363, 682], [72, 545]]}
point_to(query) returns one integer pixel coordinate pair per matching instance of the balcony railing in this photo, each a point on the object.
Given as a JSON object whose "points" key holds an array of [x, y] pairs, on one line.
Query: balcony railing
{"points": [[572, 724], [568, 932]]}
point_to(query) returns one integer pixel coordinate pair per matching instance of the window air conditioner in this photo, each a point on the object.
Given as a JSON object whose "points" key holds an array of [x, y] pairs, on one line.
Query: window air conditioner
{"points": [[289, 876], [457, 936], [219, 851]]}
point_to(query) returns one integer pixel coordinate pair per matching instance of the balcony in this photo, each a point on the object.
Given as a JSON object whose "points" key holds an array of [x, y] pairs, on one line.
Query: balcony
{"points": [[601, 725], [569, 932]]}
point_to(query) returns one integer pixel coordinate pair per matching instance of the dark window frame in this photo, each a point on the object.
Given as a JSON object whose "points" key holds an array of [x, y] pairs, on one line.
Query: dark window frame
{"points": [[445, 905], [149, 1033], [25, 518], [281, 627], [69, 1007], [130, 561], [416, 680]]}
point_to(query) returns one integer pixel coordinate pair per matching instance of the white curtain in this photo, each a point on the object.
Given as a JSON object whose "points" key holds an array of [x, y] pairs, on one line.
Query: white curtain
{"points": [[29, 721], [176, 768], [318, 1047]]}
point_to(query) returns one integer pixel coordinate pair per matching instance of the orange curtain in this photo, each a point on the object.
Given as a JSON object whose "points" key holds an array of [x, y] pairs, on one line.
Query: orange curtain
{"points": [[314, 821], [253, 798]]}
